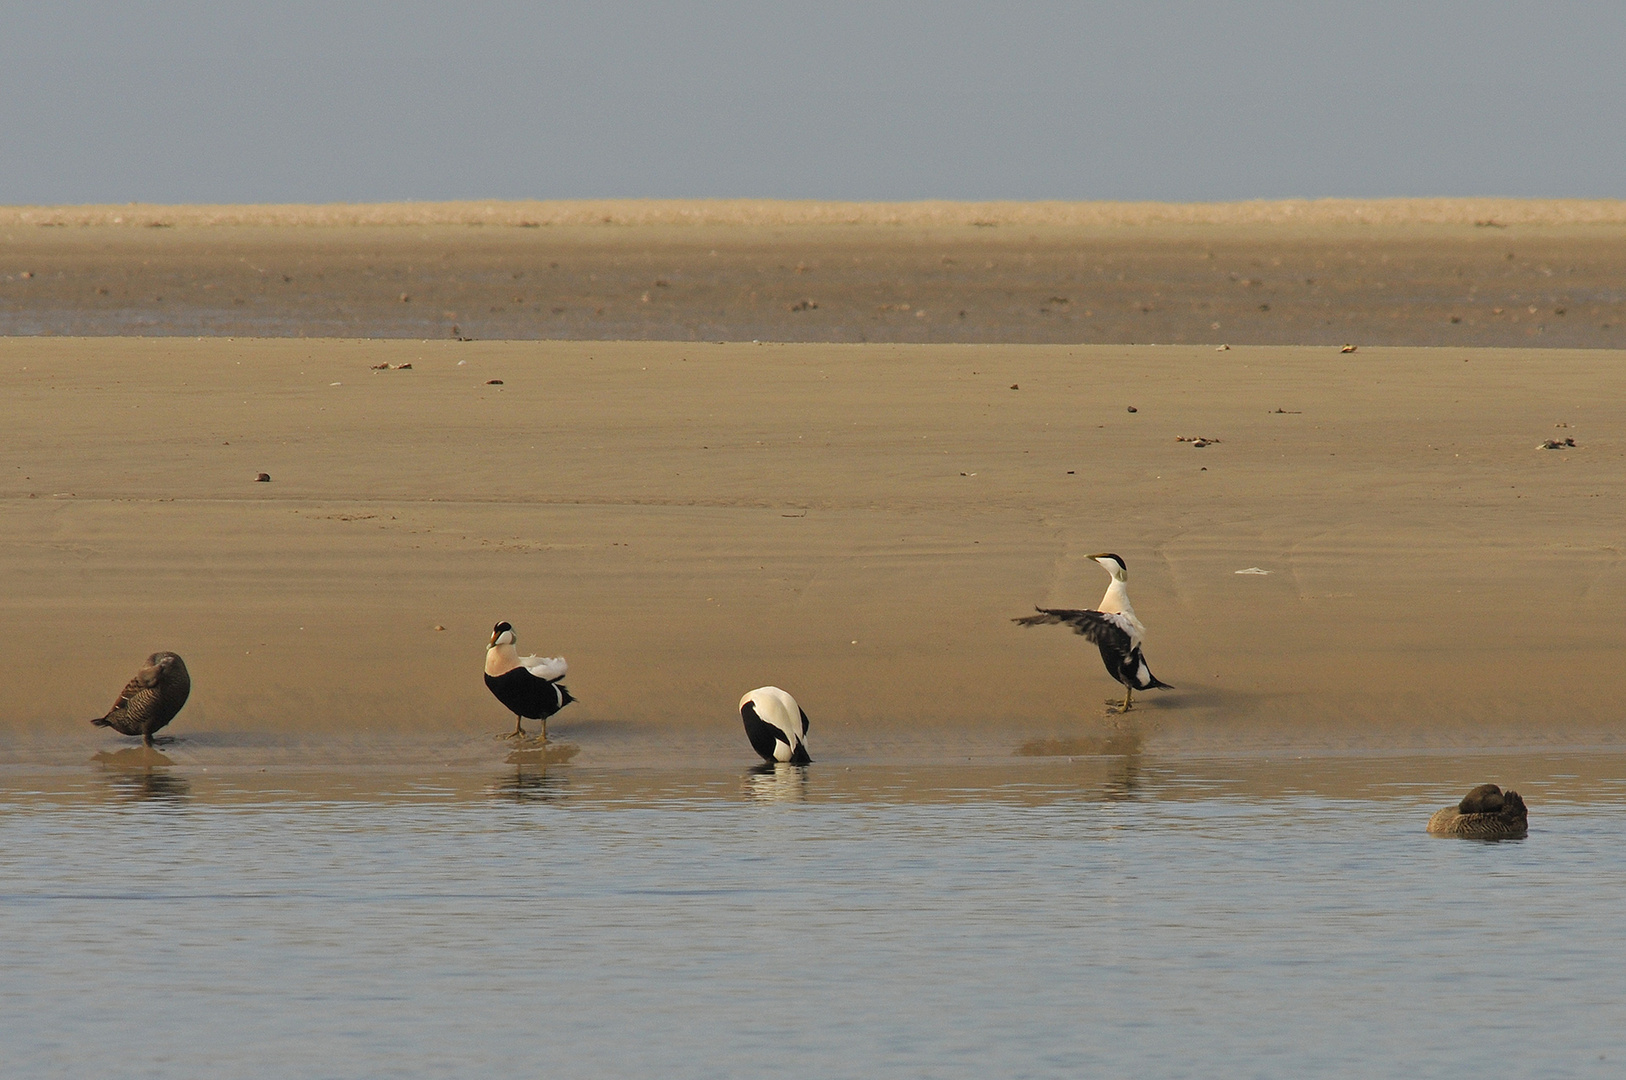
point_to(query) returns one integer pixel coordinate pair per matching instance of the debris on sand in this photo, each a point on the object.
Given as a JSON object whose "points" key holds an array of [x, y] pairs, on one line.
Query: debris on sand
{"points": [[1198, 441], [1252, 570], [262, 478], [493, 382], [1133, 409], [392, 367], [1348, 348], [1223, 348], [1554, 444]]}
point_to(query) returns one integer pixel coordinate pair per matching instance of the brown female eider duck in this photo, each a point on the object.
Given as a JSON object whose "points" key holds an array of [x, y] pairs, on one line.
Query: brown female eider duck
{"points": [[151, 699], [528, 685], [1485, 813]]}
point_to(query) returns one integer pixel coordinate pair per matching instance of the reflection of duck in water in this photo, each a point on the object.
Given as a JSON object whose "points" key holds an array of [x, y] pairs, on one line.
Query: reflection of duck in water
{"points": [[138, 772], [1123, 782], [777, 781], [1113, 628], [776, 725], [1485, 813], [151, 699], [528, 685], [530, 783]]}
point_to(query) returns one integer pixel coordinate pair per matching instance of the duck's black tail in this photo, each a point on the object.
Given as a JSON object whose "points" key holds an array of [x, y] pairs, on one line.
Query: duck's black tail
{"points": [[565, 697]]}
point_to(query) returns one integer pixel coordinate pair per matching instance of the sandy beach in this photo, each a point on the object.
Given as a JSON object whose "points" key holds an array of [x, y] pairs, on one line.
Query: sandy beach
{"points": [[859, 524]]}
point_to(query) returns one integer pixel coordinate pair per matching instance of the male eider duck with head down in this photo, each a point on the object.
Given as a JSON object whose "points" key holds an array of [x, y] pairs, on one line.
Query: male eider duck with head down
{"points": [[528, 686], [151, 699], [776, 725], [1485, 813], [1113, 628]]}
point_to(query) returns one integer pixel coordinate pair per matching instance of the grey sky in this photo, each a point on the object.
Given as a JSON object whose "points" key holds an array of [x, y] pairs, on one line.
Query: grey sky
{"points": [[171, 101]]}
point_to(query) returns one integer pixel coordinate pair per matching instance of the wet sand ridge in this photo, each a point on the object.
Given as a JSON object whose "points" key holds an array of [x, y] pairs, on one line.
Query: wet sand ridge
{"points": [[1482, 272]]}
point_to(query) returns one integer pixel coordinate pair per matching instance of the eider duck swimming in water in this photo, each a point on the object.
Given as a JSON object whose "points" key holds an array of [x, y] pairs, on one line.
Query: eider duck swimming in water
{"points": [[151, 699], [528, 686], [1485, 813], [776, 725], [1113, 628]]}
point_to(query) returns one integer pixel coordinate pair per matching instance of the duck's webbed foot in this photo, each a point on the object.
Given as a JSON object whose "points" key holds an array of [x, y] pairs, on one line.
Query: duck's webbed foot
{"points": [[519, 731]]}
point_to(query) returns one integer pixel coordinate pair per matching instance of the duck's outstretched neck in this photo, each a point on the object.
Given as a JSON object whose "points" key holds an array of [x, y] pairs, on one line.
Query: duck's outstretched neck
{"points": [[1117, 599]]}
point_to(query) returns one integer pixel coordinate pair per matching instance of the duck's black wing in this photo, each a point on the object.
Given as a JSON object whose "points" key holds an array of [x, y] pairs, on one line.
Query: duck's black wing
{"points": [[763, 735], [1110, 633], [1097, 626], [526, 695]]}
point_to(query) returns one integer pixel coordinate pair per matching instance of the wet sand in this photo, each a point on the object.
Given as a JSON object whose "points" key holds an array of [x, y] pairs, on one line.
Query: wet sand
{"points": [[1476, 272], [855, 523]]}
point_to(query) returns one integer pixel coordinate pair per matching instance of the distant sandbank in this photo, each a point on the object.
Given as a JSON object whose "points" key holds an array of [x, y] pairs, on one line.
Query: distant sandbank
{"points": [[1487, 212], [1464, 272]]}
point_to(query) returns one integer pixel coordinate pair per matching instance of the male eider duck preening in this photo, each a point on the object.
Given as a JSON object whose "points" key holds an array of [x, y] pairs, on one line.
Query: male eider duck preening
{"points": [[1485, 813], [1113, 628], [776, 725], [151, 699], [528, 685]]}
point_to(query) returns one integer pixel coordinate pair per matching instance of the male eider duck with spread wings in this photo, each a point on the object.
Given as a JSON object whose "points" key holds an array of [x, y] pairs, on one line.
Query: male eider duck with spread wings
{"points": [[528, 685], [1113, 628]]}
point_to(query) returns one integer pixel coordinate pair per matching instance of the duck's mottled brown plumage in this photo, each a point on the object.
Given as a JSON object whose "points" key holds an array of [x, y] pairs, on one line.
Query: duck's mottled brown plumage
{"points": [[1485, 813], [151, 699]]}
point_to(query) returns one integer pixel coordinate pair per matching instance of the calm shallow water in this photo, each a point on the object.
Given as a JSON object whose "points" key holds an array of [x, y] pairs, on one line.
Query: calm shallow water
{"points": [[1102, 917]]}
